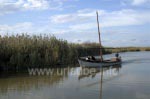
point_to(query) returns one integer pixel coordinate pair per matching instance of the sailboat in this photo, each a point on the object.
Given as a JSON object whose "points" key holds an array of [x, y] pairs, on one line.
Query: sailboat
{"points": [[93, 62]]}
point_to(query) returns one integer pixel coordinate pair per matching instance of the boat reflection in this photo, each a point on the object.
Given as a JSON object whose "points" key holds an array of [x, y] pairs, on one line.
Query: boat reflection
{"points": [[103, 71], [92, 72]]}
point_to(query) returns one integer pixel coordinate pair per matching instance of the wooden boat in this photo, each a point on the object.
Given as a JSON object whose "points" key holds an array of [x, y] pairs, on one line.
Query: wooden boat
{"points": [[97, 63], [93, 62]]}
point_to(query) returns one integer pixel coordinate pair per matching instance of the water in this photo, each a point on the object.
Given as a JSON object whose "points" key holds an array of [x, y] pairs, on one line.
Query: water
{"points": [[130, 81]]}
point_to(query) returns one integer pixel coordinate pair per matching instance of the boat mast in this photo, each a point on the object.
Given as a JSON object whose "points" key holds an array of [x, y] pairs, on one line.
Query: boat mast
{"points": [[101, 54]]}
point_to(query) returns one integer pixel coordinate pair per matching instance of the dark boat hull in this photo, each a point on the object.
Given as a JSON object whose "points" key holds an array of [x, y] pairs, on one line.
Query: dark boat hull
{"points": [[90, 63]]}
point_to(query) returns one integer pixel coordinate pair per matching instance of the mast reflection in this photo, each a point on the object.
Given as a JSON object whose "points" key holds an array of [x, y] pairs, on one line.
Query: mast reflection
{"points": [[110, 71]]}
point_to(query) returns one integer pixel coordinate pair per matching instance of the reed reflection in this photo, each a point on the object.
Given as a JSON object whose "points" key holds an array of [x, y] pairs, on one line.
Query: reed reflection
{"points": [[25, 82]]}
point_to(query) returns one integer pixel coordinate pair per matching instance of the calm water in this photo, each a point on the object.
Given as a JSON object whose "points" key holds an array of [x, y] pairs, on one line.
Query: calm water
{"points": [[130, 81]]}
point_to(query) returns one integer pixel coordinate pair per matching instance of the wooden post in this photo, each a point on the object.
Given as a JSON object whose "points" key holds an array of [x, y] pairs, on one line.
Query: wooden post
{"points": [[101, 54]]}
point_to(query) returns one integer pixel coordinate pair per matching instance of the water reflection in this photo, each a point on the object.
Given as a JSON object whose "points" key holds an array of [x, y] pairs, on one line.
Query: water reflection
{"points": [[110, 71], [24, 82], [129, 81], [92, 72]]}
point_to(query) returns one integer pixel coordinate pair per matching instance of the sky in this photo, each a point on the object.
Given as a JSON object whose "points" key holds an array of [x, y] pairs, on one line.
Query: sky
{"points": [[122, 22]]}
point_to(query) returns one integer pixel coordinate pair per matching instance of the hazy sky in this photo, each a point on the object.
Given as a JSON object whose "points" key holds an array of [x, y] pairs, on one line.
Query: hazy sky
{"points": [[122, 22]]}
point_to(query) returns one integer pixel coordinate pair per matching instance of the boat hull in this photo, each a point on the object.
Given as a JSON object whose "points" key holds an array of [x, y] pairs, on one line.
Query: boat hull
{"points": [[84, 63]]}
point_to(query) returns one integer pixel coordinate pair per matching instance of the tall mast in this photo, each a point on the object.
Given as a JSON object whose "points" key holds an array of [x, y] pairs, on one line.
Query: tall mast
{"points": [[101, 54]]}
